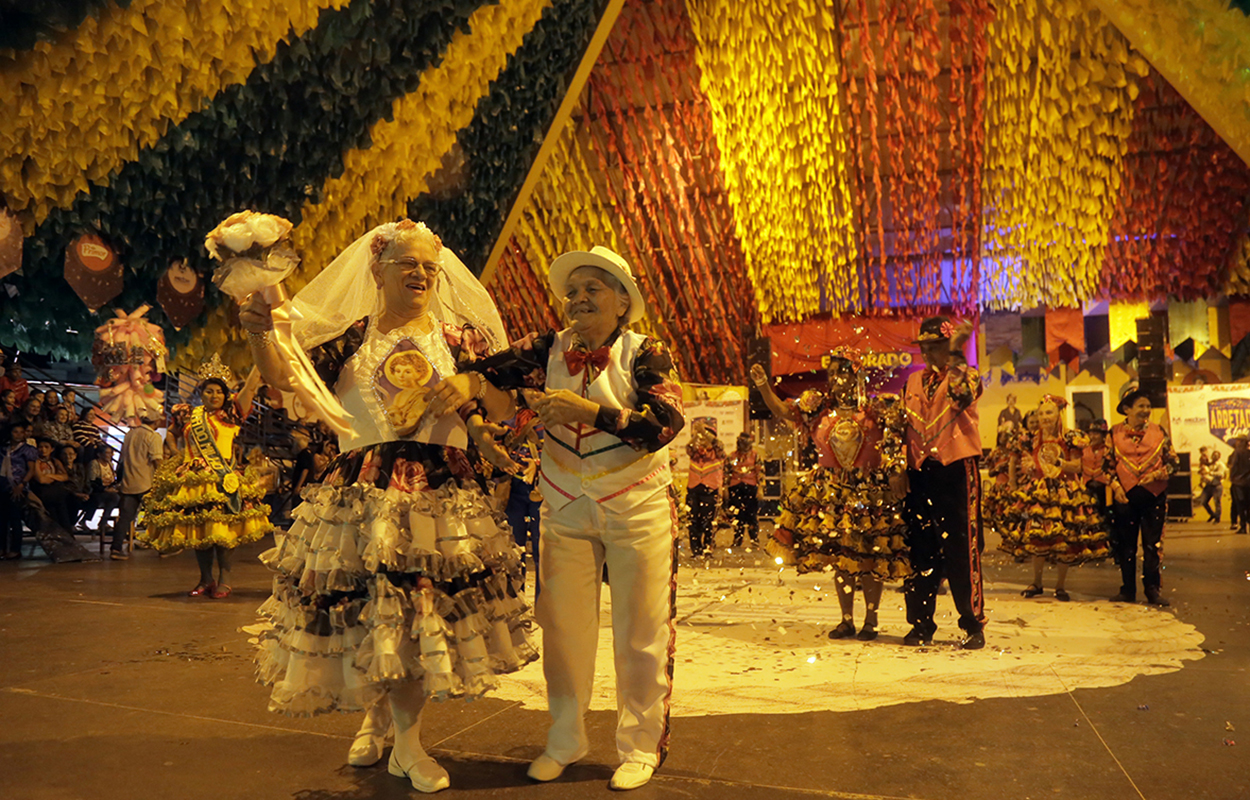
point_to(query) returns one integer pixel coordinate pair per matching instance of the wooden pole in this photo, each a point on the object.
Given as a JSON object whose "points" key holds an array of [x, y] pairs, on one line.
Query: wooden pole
{"points": [[571, 96]]}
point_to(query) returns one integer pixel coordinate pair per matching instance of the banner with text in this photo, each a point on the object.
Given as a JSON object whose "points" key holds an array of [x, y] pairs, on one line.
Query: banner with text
{"points": [[1206, 416]]}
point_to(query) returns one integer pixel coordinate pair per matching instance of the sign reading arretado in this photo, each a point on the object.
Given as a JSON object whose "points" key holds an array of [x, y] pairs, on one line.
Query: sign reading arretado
{"points": [[1228, 414]]}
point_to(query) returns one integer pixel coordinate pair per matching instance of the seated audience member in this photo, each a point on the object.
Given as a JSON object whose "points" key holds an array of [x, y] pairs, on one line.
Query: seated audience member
{"points": [[104, 493]]}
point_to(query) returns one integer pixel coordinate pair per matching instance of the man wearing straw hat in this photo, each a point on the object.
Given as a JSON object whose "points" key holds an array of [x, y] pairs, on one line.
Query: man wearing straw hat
{"points": [[611, 404], [944, 496], [1139, 461]]}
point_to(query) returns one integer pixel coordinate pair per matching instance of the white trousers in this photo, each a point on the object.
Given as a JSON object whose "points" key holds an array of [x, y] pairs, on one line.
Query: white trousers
{"points": [[638, 548]]}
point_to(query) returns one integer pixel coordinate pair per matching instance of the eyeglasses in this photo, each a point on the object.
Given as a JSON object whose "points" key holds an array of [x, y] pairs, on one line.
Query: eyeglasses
{"points": [[431, 268]]}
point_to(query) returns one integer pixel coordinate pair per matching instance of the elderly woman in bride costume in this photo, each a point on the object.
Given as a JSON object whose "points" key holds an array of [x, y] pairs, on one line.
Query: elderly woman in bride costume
{"points": [[611, 405], [396, 583]]}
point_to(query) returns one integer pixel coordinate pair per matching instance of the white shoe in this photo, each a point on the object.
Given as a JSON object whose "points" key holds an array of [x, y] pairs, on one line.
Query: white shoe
{"points": [[366, 750], [631, 775], [425, 774], [545, 768]]}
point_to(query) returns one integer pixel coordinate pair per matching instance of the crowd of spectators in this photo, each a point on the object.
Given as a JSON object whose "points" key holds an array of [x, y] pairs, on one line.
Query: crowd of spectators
{"points": [[56, 453]]}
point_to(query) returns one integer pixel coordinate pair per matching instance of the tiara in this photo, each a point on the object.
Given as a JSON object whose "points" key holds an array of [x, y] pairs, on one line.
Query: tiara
{"points": [[213, 368]]}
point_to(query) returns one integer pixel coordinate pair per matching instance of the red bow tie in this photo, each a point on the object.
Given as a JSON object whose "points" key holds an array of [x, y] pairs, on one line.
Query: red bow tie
{"points": [[576, 359]]}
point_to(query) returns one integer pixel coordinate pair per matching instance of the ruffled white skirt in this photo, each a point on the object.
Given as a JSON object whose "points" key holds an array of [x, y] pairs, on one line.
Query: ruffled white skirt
{"points": [[374, 586]]}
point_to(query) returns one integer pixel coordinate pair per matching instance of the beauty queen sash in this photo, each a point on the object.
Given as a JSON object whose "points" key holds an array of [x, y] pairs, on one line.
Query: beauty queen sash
{"points": [[227, 480]]}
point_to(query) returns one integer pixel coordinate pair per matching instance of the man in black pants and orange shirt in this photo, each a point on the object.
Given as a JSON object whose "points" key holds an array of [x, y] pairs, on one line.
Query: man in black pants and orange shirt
{"points": [[944, 494]]}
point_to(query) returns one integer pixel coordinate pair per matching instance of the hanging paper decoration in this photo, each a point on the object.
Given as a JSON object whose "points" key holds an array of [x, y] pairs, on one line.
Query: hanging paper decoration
{"points": [[10, 243], [670, 193], [1189, 321], [1181, 207], [180, 291], [906, 133], [93, 270], [634, 170], [1059, 102], [129, 356], [1239, 261], [1202, 47], [84, 105], [407, 147], [466, 101], [1122, 321], [1238, 319], [522, 299], [786, 160], [1003, 330]]}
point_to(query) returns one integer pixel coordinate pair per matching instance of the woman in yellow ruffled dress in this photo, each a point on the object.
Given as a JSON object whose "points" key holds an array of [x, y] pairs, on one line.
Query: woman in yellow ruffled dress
{"points": [[1053, 517], [202, 501]]}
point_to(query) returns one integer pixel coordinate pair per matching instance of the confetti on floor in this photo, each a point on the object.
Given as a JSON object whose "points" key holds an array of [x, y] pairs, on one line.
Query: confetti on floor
{"points": [[753, 639]]}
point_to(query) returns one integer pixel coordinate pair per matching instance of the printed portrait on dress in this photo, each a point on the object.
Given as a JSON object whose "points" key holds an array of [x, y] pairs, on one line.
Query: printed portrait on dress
{"points": [[403, 383]]}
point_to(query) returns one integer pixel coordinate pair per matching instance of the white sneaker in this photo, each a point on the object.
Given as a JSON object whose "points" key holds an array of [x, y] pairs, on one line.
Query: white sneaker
{"points": [[631, 775]]}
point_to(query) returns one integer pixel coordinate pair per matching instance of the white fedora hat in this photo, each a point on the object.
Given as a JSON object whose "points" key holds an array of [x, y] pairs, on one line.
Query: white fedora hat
{"points": [[606, 260]]}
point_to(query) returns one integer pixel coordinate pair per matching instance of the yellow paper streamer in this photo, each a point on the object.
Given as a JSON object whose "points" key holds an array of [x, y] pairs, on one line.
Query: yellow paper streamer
{"points": [[378, 182], [1059, 109], [1202, 47], [567, 212], [770, 71], [78, 108]]}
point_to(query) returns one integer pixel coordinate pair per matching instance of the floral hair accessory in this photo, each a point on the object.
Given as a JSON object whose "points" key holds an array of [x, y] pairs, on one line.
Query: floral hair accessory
{"points": [[389, 233], [935, 329], [1054, 400], [843, 353]]}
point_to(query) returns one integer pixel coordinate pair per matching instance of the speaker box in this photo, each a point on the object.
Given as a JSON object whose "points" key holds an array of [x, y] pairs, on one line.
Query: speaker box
{"points": [[1179, 484], [1180, 506], [1157, 389]]}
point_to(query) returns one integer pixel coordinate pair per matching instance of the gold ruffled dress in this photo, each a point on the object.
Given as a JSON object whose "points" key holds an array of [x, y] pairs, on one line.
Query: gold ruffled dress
{"points": [[187, 506]]}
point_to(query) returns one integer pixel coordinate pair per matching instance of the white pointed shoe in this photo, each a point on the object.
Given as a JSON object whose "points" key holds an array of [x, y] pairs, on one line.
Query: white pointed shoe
{"points": [[631, 775], [425, 774]]}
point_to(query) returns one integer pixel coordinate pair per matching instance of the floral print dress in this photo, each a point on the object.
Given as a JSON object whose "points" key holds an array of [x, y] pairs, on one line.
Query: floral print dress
{"points": [[399, 565]]}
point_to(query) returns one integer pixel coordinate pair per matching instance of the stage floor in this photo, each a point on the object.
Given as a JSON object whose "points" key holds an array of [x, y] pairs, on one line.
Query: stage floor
{"points": [[114, 684]]}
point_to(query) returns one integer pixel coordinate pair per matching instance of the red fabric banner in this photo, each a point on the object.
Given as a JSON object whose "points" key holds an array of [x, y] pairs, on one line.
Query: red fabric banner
{"points": [[1065, 335], [799, 346]]}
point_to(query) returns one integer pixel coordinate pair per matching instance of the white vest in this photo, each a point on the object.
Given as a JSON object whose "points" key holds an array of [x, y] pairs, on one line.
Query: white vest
{"points": [[583, 460]]}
